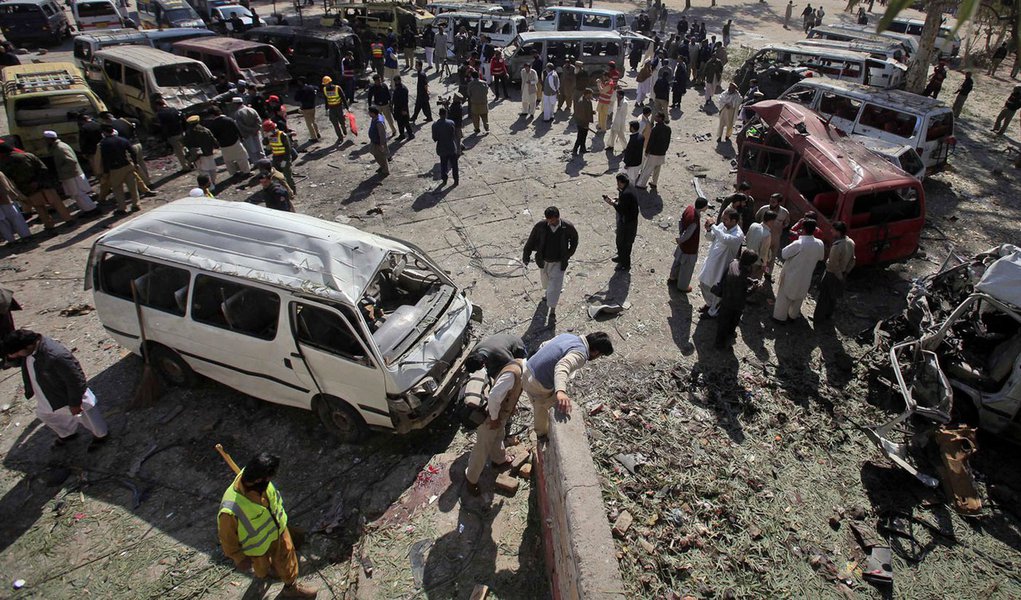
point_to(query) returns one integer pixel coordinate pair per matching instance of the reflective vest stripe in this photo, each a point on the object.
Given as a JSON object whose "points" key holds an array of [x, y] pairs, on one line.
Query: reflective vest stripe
{"points": [[239, 514], [377, 50], [347, 69], [332, 94], [277, 144], [271, 519]]}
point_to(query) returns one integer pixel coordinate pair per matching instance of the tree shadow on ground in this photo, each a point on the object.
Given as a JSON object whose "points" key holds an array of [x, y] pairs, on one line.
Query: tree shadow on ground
{"points": [[160, 467]]}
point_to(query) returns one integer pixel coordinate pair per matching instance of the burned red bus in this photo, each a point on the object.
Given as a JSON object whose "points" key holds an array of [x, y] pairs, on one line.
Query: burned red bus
{"points": [[789, 149]]}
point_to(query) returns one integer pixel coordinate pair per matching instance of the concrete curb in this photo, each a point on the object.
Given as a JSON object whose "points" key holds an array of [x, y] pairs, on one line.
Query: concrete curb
{"points": [[580, 554]]}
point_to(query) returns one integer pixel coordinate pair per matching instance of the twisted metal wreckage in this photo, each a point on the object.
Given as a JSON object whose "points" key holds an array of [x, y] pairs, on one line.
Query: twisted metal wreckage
{"points": [[955, 356]]}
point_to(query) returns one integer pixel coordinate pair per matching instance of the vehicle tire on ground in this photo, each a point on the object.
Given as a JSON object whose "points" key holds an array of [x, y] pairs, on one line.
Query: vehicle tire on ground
{"points": [[172, 367], [340, 419]]}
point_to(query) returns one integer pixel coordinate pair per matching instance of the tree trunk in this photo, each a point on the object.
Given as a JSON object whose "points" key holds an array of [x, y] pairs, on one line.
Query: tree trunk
{"points": [[918, 71]]}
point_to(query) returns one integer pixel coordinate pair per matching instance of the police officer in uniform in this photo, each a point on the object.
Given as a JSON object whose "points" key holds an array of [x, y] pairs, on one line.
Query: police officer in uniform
{"points": [[336, 102], [280, 149]]}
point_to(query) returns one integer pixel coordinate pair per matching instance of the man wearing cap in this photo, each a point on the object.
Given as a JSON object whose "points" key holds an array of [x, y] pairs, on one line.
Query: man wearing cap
{"points": [[305, 96], [117, 157], [201, 145], [250, 125], [550, 91], [280, 150], [128, 129], [265, 167], [70, 174], [529, 81], [275, 195], [172, 127], [336, 102], [228, 138], [730, 101]]}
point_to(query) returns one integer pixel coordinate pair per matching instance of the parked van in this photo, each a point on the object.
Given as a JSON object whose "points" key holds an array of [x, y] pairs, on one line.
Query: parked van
{"points": [[95, 15], [364, 330], [886, 49], [40, 21], [43, 96], [157, 14], [564, 18], [256, 63], [786, 148], [858, 33], [131, 77], [88, 44], [900, 155], [947, 43], [838, 31], [594, 49], [376, 17], [313, 51], [221, 18], [439, 8], [500, 28], [896, 116], [777, 67]]}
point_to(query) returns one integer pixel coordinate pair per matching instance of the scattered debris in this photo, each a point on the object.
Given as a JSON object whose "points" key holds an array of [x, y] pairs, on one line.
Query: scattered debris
{"points": [[622, 524], [507, 484], [76, 310], [479, 592], [417, 557]]}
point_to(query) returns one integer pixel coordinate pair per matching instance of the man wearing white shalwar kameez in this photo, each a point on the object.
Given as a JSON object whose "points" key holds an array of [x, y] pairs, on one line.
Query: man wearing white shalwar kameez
{"points": [[619, 125], [799, 260], [53, 376], [550, 89], [725, 238], [529, 82]]}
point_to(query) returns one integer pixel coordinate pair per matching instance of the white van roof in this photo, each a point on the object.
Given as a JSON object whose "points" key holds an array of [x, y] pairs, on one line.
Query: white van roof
{"points": [[588, 11], [828, 52], [288, 250], [900, 99], [581, 36]]}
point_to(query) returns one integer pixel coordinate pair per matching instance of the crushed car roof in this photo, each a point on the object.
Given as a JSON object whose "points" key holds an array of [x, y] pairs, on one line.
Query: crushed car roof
{"points": [[293, 251], [847, 163], [1002, 280]]}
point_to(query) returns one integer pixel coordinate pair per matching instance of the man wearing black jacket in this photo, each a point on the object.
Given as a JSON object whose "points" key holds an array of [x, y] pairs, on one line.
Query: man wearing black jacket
{"points": [[228, 137], [305, 96], [735, 286], [626, 206], [421, 94], [53, 376], [172, 127], [655, 153], [400, 109], [554, 241], [632, 159]]}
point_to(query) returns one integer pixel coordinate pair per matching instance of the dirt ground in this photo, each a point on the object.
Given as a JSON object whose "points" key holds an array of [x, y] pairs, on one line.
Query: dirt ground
{"points": [[750, 451]]}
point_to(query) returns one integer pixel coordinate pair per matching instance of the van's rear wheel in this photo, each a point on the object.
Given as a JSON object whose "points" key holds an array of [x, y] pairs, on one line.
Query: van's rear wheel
{"points": [[172, 367], [341, 420]]}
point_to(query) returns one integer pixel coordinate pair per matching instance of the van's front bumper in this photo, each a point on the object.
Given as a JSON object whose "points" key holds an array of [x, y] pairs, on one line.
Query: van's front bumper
{"points": [[407, 417]]}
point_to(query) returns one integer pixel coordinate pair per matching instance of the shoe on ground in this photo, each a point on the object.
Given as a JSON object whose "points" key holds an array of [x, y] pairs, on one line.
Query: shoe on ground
{"points": [[615, 259], [296, 590], [671, 281], [120, 213], [687, 290], [149, 194], [457, 181], [97, 443]]}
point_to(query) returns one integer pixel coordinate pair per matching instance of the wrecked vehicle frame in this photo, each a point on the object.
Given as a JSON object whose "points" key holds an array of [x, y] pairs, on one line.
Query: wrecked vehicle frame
{"points": [[955, 353]]}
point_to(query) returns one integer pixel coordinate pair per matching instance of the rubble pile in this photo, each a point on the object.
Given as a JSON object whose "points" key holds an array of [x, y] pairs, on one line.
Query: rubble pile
{"points": [[722, 484]]}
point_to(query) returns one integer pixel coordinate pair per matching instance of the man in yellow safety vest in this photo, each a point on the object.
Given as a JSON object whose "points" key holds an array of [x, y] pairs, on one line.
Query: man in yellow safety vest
{"points": [[252, 526], [378, 48], [336, 102], [280, 149]]}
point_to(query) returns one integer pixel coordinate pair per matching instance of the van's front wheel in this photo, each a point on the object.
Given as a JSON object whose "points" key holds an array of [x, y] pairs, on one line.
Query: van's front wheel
{"points": [[341, 420], [172, 367]]}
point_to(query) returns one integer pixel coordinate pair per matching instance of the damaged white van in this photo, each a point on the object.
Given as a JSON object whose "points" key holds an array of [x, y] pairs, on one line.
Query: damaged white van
{"points": [[365, 330]]}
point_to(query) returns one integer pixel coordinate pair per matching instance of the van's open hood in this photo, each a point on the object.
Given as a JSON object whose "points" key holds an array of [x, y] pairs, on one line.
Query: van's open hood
{"points": [[435, 348], [184, 98], [267, 75]]}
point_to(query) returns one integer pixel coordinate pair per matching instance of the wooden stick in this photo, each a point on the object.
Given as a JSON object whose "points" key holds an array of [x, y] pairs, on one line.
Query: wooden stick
{"points": [[226, 457]]}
